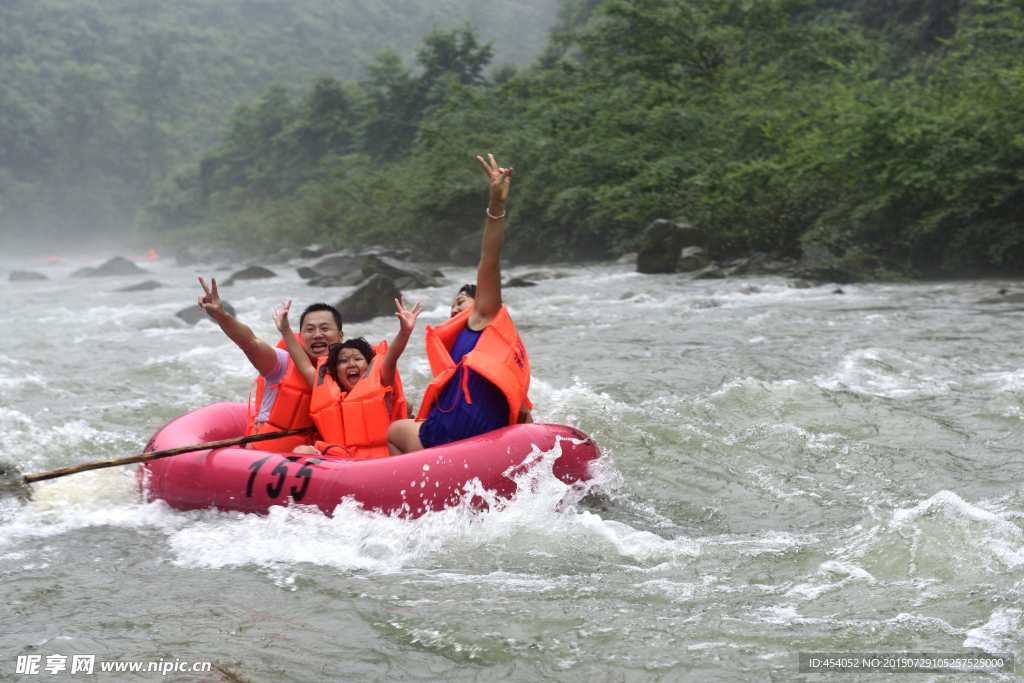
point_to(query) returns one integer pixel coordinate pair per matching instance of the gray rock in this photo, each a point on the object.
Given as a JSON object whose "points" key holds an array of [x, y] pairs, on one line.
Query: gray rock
{"points": [[25, 276], [663, 243], [338, 264], [305, 272], [742, 266], [411, 276], [250, 273], [1005, 299], [691, 259], [142, 287], [710, 272], [519, 282], [541, 275], [397, 254], [118, 265], [627, 258], [282, 256], [194, 314], [800, 284], [349, 280], [375, 297], [314, 251]]}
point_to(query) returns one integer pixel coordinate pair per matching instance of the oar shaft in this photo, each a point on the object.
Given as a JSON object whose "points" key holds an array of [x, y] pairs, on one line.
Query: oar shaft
{"points": [[154, 455]]}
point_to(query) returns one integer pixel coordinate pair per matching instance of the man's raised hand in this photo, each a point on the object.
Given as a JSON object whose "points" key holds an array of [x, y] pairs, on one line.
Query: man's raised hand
{"points": [[211, 302], [407, 316]]}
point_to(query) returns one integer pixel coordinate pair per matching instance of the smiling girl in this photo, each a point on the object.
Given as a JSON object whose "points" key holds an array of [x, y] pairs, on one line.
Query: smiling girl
{"points": [[357, 391]]}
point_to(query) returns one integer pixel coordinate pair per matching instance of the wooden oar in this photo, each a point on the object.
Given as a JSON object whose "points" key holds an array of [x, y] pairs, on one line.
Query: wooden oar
{"points": [[99, 464]]}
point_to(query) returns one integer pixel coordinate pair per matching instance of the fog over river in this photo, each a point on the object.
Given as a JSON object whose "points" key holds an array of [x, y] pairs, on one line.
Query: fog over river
{"points": [[785, 470]]}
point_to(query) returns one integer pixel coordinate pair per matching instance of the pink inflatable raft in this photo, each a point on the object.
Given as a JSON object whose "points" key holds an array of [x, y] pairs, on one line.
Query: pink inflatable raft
{"points": [[247, 480]]}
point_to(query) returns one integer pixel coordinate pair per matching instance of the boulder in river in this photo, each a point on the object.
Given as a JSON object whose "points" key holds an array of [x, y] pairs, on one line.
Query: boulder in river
{"points": [[349, 280], [250, 273], [1003, 299], [118, 265], [663, 243], [691, 259], [25, 276], [339, 264], [741, 266], [314, 251], [708, 272], [194, 314], [305, 272], [142, 286], [404, 275], [373, 298], [519, 282], [539, 275]]}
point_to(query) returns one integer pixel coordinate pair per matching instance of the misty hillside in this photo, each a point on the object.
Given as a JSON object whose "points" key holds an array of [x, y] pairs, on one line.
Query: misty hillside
{"points": [[99, 99], [886, 134]]}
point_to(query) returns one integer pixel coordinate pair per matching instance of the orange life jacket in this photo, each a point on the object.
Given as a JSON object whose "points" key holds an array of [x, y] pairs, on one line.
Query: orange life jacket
{"points": [[290, 410], [498, 356], [357, 421]]}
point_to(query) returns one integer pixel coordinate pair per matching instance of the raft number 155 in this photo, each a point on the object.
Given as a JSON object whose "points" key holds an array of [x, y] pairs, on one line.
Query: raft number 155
{"points": [[274, 489]]}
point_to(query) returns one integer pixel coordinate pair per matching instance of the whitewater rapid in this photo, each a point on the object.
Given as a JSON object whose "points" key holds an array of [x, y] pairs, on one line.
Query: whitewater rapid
{"points": [[785, 470]]}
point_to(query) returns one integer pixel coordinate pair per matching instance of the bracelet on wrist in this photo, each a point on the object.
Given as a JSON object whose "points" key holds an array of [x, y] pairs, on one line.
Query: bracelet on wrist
{"points": [[495, 217]]}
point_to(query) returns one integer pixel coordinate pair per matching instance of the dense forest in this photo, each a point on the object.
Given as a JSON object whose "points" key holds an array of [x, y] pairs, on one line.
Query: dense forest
{"points": [[101, 99], [890, 131]]}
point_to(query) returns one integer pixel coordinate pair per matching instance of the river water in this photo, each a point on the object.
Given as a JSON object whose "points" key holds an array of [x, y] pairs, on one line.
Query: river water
{"points": [[785, 470]]}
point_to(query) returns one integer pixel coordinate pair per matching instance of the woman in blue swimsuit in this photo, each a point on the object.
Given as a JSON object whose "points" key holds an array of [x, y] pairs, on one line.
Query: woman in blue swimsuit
{"points": [[470, 404]]}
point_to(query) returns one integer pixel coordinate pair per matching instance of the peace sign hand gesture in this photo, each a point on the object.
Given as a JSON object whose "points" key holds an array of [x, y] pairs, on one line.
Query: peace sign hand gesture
{"points": [[211, 302], [500, 179]]}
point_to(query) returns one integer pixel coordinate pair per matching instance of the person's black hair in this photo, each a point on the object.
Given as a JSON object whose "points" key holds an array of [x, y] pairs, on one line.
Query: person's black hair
{"points": [[313, 308], [334, 350], [470, 291]]}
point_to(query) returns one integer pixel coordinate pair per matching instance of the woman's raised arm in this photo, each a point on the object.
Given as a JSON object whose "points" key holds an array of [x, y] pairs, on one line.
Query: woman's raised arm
{"points": [[488, 274]]}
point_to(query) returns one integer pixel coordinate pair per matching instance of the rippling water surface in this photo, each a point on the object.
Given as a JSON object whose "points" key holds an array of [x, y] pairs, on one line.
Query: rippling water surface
{"points": [[785, 470]]}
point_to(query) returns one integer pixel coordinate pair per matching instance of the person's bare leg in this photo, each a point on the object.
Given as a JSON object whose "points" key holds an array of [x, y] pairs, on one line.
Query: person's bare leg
{"points": [[306, 450], [404, 437]]}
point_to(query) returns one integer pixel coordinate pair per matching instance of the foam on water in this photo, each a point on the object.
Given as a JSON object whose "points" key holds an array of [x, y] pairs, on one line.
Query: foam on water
{"points": [[108, 497], [893, 374], [543, 513], [1001, 633], [943, 538]]}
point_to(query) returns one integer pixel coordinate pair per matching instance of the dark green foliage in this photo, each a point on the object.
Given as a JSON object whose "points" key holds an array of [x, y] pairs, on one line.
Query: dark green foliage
{"points": [[891, 132]]}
